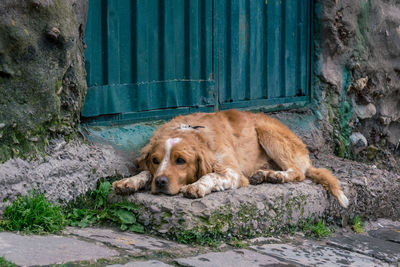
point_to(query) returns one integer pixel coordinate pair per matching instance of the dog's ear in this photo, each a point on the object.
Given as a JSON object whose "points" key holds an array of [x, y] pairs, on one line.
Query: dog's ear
{"points": [[204, 162], [144, 157]]}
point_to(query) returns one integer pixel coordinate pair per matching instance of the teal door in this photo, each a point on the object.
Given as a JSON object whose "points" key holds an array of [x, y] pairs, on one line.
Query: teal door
{"points": [[149, 59]]}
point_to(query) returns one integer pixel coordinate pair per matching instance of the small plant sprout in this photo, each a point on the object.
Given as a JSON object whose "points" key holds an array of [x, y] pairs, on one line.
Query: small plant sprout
{"points": [[358, 225]]}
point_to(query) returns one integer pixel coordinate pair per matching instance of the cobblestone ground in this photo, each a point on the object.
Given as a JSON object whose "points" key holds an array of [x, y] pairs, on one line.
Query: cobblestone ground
{"points": [[378, 246]]}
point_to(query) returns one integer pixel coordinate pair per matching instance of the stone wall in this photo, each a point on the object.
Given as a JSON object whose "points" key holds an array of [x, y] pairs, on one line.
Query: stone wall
{"points": [[357, 78], [42, 75]]}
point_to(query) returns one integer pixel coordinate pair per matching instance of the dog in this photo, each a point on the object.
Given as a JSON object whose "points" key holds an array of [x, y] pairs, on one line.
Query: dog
{"points": [[200, 153]]}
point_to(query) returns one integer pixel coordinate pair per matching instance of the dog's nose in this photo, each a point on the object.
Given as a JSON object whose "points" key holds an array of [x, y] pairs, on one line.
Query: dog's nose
{"points": [[161, 181]]}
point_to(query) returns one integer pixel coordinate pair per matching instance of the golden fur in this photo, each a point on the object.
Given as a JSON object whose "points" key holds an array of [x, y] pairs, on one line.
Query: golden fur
{"points": [[204, 152]]}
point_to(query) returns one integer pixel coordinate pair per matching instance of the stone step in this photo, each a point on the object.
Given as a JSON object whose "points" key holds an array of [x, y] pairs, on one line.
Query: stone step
{"points": [[389, 234], [367, 245], [269, 208]]}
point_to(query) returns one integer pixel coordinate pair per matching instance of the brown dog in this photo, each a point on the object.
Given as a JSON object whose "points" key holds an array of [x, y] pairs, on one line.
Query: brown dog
{"points": [[204, 152]]}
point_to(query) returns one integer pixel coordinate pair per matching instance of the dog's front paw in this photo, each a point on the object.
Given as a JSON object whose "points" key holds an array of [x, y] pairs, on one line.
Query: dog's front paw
{"points": [[125, 186], [192, 191], [257, 178]]}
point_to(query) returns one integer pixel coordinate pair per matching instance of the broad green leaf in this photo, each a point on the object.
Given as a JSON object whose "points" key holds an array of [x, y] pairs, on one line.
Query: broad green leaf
{"points": [[126, 217], [136, 228], [104, 189], [126, 205]]}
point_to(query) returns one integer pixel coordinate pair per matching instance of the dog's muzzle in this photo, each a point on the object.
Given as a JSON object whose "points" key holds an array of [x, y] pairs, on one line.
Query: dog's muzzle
{"points": [[161, 182]]}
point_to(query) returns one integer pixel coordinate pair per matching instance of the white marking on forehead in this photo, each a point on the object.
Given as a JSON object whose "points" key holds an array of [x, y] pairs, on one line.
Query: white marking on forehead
{"points": [[172, 141], [169, 143]]}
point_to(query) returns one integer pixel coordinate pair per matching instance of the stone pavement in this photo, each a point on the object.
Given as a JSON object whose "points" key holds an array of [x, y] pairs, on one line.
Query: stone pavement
{"points": [[379, 246]]}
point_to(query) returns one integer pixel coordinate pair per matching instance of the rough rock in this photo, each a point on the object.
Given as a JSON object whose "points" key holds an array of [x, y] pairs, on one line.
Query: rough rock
{"points": [[46, 250], [69, 170], [361, 83], [358, 141], [42, 73], [269, 208], [365, 111]]}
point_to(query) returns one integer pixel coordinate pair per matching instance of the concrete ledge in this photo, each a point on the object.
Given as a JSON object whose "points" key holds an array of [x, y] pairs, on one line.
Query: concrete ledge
{"points": [[269, 208], [66, 172]]}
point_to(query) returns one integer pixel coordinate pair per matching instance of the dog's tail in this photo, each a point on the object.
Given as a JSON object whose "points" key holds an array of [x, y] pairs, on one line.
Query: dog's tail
{"points": [[329, 182]]}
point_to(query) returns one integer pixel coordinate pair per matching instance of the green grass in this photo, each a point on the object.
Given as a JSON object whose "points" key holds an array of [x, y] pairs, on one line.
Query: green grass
{"points": [[33, 214], [358, 225], [5, 263], [318, 229]]}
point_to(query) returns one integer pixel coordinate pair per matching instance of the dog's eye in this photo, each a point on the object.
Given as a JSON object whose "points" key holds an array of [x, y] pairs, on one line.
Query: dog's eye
{"points": [[180, 161], [155, 161]]}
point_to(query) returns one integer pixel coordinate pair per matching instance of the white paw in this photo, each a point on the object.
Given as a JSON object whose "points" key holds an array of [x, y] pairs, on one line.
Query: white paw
{"points": [[192, 191], [125, 186]]}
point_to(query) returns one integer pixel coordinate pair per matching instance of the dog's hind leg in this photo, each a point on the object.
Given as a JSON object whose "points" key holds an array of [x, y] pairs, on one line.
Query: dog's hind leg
{"points": [[286, 150], [291, 155], [226, 179], [277, 177], [132, 184]]}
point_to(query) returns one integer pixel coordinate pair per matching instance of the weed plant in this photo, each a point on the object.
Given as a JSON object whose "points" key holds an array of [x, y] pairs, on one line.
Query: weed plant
{"points": [[358, 225], [95, 209], [318, 229], [5, 263], [33, 214]]}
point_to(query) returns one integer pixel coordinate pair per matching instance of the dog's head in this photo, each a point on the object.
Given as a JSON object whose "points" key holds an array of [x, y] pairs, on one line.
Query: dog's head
{"points": [[175, 161]]}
